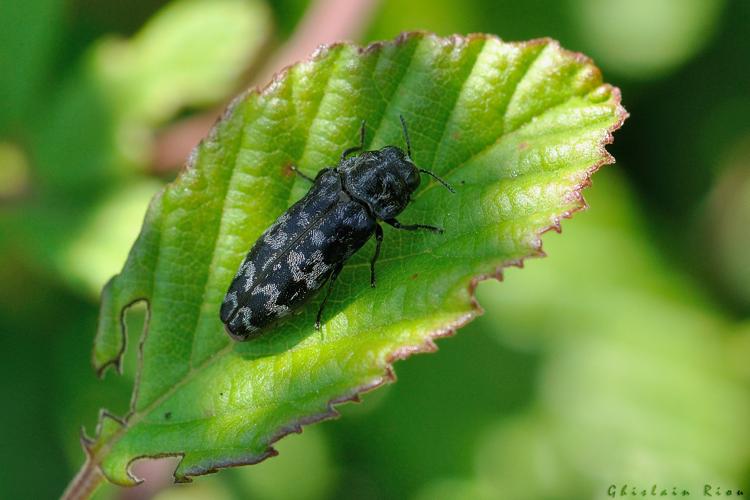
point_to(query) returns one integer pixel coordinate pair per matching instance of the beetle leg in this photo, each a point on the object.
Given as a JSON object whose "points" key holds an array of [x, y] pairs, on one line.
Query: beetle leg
{"points": [[361, 146], [331, 281], [413, 227], [304, 176], [378, 242]]}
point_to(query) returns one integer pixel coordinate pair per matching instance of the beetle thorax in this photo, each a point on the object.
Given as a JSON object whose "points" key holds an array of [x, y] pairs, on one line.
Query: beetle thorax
{"points": [[383, 180]]}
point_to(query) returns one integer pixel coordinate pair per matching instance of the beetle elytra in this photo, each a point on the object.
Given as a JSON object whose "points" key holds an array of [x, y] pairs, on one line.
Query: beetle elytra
{"points": [[308, 244]]}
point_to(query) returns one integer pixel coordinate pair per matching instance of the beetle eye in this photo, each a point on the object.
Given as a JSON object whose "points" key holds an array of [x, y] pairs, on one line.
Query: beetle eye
{"points": [[412, 178]]}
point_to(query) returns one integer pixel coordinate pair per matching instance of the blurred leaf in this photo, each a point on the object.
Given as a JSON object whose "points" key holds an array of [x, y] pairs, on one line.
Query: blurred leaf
{"points": [[705, 106], [724, 236], [429, 423], [14, 171], [452, 489], [270, 480], [637, 384], [440, 16], [739, 351], [102, 244], [74, 141], [191, 53], [642, 38], [510, 19], [101, 121], [28, 415], [78, 393], [517, 128], [287, 13]]}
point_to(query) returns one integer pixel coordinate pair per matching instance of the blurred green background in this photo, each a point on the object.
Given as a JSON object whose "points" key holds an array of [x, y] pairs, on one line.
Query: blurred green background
{"points": [[621, 359]]}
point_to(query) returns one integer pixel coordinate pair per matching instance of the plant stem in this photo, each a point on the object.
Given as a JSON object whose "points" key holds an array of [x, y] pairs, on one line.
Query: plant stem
{"points": [[84, 483]]}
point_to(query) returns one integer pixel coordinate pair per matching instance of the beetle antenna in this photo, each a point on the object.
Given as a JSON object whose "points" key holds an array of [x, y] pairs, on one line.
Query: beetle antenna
{"points": [[406, 135], [441, 181]]}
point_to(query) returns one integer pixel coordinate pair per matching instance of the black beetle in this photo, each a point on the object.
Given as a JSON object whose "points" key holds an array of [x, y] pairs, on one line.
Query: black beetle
{"points": [[310, 242]]}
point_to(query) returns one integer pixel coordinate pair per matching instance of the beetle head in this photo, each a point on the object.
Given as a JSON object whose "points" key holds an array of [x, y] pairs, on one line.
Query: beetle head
{"points": [[405, 180], [398, 163], [383, 179]]}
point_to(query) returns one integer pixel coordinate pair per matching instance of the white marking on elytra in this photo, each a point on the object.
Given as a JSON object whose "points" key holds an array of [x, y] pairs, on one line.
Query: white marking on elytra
{"points": [[319, 268], [272, 292], [231, 298], [282, 219], [245, 315], [296, 259], [243, 268], [317, 237], [275, 239], [244, 318], [248, 269], [303, 218]]}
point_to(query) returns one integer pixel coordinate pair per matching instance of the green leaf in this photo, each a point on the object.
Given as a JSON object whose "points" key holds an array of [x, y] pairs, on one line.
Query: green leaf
{"points": [[517, 128]]}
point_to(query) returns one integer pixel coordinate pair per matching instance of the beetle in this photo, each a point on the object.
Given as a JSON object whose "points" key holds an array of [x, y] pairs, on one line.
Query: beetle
{"points": [[308, 244]]}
